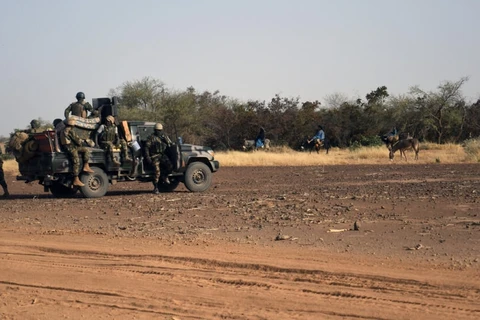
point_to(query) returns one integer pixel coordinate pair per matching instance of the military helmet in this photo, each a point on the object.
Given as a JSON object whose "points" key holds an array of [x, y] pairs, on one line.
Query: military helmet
{"points": [[80, 96], [71, 122], [35, 123], [158, 126], [110, 119]]}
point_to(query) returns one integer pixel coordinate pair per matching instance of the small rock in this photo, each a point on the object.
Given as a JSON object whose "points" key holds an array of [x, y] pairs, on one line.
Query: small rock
{"points": [[419, 246], [282, 237], [356, 226]]}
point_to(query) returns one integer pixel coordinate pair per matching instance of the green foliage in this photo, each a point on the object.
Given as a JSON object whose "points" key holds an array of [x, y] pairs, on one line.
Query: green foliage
{"points": [[6, 156], [223, 122], [371, 141], [355, 146], [146, 94]]}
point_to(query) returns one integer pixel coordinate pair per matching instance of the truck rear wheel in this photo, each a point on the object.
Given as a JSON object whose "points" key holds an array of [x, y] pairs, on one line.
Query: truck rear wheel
{"points": [[60, 191], [198, 177], [95, 184]]}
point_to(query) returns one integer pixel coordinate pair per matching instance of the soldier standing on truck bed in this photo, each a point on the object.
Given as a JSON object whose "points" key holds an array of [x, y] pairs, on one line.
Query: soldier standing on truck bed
{"points": [[3, 183], [73, 144], [155, 154], [79, 108], [108, 139], [34, 127]]}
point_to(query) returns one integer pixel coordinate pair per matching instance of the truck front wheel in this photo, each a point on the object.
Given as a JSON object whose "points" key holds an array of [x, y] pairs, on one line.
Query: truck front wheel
{"points": [[198, 177], [95, 184]]}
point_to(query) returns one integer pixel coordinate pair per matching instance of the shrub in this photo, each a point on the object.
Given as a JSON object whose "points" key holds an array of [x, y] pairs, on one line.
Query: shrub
{"points": [[355, 146], [371, 141], [366, 141], [472, 149]]}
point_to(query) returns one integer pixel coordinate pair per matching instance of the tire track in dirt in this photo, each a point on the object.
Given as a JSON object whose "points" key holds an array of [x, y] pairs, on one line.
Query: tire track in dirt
{"points": [[277, 280], [154, 261]]}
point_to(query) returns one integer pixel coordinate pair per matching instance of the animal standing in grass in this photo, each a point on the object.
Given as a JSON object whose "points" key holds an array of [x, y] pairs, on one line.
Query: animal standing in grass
{"points": [[315, 144], [390, 140], [250, 145], [404, 145]]}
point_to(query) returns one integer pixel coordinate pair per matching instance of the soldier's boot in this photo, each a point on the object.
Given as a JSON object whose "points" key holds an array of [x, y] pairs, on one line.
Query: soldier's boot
{"points": [[155, 188], [86, 168], [5, 191], [115, 162], [77, 182], [126, 157], [165, 180]]}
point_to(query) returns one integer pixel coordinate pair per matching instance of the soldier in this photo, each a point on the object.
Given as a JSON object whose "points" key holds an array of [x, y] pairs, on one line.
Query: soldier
{"points": [[2, 177], [80, 107], [155, 154], [34, 126], [74, 145], [107, 137]]}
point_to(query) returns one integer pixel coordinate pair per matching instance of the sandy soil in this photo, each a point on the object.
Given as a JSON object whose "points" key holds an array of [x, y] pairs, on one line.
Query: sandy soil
{"points": [[262, 243]]}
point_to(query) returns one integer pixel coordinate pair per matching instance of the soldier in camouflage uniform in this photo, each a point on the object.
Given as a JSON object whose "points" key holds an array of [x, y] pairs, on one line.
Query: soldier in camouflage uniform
{"points": [[155, 154], [79, 108], [73, 144], [34, 126], [3, 183], [108, 139]]}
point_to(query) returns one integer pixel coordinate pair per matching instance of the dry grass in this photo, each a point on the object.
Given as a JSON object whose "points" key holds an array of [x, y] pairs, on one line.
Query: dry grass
{"points": [[282, 156], [431, 153], [472, 149], [10, 166]]}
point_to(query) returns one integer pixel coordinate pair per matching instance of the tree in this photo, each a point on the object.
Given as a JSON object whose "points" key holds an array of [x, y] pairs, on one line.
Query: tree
{"points": [[335, 100], [444, 110], [146, 94]]}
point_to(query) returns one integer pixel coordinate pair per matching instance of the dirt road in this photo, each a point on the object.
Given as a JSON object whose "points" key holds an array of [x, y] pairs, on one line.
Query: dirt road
{"points": [[262, 243]]}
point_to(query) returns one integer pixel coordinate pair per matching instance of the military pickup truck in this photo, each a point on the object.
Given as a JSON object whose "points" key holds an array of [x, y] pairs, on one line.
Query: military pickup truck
{"points": [[48, 164]]}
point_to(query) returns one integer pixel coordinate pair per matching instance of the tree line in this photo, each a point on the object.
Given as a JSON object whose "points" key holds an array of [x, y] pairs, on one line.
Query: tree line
{"points": [[210, 118], [441, 116]]}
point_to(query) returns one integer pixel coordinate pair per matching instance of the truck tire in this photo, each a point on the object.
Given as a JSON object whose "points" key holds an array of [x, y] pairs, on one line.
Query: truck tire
{"points": [[95, 184], [60, 191], [174, 182], [198, 177]]}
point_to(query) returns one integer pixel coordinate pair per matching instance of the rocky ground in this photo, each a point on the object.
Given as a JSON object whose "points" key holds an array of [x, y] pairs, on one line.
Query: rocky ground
{"points": [[262, 243]]}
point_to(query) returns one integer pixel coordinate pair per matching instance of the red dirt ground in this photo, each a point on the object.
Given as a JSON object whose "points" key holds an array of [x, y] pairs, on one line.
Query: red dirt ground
{"points": [[262, 243]]}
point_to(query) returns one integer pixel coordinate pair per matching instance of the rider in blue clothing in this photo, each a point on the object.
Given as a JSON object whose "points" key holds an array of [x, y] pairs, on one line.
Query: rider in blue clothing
{"points": [[320, 134], [260, 140], [393, 132]]}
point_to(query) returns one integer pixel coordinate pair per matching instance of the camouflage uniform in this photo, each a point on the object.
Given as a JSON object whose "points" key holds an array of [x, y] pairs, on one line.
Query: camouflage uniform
{"points": [[155, 153], [34, 127], [79, 109], [109, 139], [3, 183], [73, 145]]}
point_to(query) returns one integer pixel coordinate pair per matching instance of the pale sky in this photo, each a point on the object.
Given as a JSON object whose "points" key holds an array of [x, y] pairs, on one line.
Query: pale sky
{"points": [[246, 49]]}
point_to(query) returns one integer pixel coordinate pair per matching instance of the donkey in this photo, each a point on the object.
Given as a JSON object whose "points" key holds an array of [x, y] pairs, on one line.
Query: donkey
{"points": [[251, 145], [390, 140], [315, 144], [404, 145]]}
